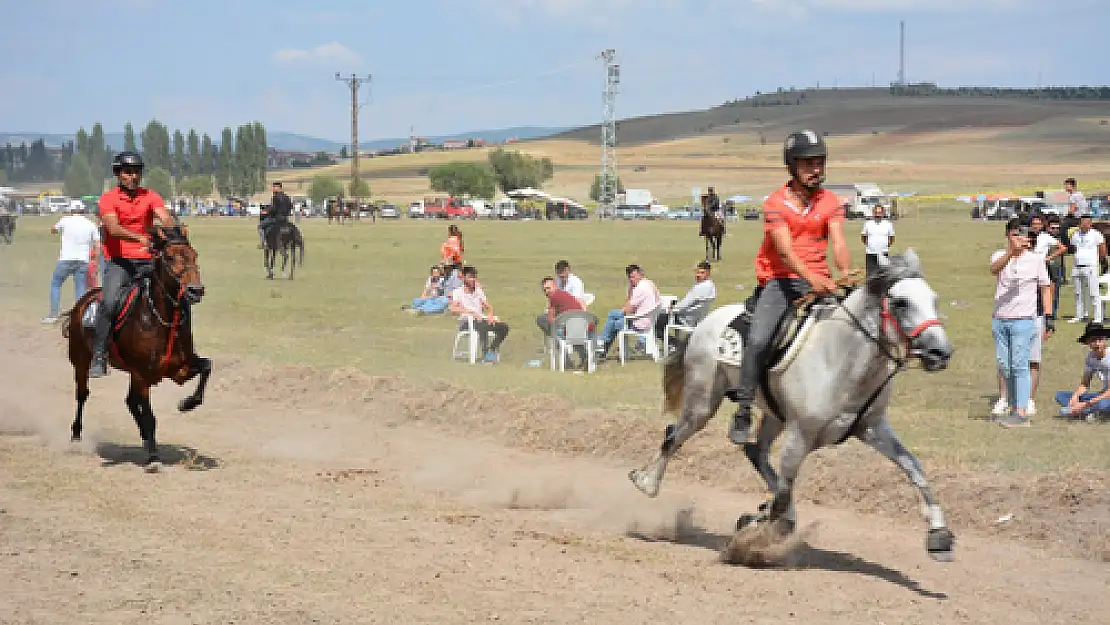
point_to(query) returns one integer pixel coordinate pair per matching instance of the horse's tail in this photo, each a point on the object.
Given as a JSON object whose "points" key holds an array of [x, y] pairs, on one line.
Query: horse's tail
{"points": [[674, 376]]}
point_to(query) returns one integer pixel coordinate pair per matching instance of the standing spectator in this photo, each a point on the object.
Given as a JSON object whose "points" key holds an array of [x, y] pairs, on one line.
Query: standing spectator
{"points": [[469, 300], [877, 237], [1054, 258], [451, 252], [643, 297], [1019, 275], [1043, 244], [1077, 204], [80, 243], [692, 308], [1090, 248], [1081, 402], [569, 282]]}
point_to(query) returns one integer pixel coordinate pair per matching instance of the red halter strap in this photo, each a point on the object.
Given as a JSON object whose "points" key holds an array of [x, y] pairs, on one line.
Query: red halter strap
{"points": [[912, 334]]}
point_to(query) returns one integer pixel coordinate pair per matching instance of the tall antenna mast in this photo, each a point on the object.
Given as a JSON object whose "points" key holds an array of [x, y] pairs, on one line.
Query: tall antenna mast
{"points": [[607, 192]]}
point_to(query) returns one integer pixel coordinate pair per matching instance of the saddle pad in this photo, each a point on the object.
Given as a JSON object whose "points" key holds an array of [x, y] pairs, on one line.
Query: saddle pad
{"points": [[88, 320]]}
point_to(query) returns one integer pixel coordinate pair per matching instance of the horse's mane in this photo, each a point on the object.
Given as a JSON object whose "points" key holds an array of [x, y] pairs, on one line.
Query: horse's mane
{"points": [[174, 234], [899, 268]]}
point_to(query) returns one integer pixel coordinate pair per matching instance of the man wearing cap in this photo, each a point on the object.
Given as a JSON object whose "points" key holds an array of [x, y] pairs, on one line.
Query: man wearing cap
{"points": [[1081, 403], [1090, 247]]}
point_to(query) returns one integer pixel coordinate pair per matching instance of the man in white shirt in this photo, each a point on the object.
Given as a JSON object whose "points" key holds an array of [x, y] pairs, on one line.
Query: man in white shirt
{"points": [[692, 308], [1077, 204], [1090, 247], [877, 237], [80, 242], [567, 281], [469, 300]]}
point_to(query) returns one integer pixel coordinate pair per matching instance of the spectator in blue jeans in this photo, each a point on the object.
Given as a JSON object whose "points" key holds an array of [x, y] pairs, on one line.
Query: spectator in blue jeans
{"points": [[80, 242], [432, 300], [1081, 402], [1020, 276]]}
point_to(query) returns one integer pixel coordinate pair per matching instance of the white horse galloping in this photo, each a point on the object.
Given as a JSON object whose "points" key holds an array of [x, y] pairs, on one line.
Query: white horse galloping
{"points": [[833, 384]]}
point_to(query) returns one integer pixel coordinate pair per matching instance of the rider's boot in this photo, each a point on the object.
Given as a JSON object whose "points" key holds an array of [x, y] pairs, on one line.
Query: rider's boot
{"points": [[741, 425], [99, 366]]}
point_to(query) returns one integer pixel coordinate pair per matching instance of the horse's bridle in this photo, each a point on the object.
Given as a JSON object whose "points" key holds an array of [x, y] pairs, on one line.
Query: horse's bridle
{"points": [[887, 316]]}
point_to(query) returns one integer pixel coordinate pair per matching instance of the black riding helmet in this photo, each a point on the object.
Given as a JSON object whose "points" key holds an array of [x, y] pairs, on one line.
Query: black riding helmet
{"points": [[126, 159], [803, 144]]}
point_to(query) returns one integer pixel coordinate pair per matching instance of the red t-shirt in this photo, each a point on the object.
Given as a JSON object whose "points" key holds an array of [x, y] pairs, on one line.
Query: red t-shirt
{"points": [[809, 232], [560, 302], [134, 214]]}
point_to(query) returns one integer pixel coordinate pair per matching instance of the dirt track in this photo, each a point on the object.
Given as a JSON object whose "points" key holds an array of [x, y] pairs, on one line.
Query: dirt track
{"points": [[362, 512]]}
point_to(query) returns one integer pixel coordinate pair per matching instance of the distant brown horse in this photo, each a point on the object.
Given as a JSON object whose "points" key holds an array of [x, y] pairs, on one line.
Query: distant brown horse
{"points": [[152, 336], [339, 212], [713, 231]]}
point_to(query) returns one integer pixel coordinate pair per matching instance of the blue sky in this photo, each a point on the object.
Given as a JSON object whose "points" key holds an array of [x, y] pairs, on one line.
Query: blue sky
{"points": [[447, 66]]}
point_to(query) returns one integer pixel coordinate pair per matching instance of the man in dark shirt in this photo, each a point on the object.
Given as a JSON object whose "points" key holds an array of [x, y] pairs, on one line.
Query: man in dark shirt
{"points": [[558, 302]]}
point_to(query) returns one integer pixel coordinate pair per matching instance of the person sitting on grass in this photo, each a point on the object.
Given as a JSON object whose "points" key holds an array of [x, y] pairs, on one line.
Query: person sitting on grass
{"points": [[1081, 403], [432, 300]]}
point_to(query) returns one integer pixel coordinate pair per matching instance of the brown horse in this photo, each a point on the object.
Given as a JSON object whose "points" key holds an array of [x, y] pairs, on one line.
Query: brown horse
{"points": [[152, 336], [713, 231]]}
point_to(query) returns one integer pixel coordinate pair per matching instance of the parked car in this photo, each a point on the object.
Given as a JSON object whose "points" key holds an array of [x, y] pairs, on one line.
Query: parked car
{"points": [[389, 211]]}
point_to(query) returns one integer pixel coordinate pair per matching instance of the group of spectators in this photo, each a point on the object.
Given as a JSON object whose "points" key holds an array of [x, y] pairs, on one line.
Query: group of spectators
{"points": [[1029, 274]]}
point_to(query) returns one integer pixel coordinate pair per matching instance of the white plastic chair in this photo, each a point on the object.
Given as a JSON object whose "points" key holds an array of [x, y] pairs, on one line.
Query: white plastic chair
{"points": [[692, 317], [470, 336], [647, 335], [1103, 290], [569, 330]]}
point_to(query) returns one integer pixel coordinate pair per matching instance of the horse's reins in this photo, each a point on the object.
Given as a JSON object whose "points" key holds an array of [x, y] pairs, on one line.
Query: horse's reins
{"points": [[175, 303], [901, 362]]}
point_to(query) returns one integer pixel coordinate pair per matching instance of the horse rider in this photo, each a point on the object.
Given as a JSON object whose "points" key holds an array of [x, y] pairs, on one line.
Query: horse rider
{"points": [[800, 221], [713, 203], [281, 209], [127, 212]]}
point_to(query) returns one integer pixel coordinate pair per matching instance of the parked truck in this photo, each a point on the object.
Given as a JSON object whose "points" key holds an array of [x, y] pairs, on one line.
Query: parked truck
{"points": [[447, 208], [859, 199]]}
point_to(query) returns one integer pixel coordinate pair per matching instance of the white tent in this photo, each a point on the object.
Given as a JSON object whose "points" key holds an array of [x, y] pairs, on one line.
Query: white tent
{"points": [[527, 192]]}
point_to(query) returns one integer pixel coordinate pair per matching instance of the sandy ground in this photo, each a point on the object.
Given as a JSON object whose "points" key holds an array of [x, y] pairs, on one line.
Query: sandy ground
{"points": [[304, 509]]}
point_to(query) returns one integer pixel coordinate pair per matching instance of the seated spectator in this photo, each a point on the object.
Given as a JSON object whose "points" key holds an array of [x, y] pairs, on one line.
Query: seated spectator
{"points": [[469, 300], [453, 279], [432, 300], [691, 309], [559, 302], [643, 297], [1082, 403], [567, 281]]}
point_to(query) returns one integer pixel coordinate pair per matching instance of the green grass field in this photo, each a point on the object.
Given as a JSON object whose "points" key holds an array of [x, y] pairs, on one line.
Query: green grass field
{"points": [[344, 311]]}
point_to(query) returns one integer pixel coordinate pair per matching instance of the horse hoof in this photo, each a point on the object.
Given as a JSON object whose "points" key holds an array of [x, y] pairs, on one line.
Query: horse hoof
{"points": [[187, 404], [940, 543], [76, 438], [643, 483], [153, 465]]}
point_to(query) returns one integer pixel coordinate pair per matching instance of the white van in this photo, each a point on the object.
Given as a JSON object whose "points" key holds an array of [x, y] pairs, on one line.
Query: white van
{"points": [[54, 203]]}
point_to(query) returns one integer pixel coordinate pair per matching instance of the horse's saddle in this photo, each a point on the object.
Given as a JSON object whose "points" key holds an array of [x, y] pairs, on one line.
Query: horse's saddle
{"points": [[792, 330], [132, 292]]}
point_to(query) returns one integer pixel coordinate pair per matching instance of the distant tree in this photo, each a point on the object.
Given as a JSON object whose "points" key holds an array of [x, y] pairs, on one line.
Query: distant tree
{"points": [[595, 188], [361, 190], [207, 156], [324, 186], [261, 155], [459, 179], [196, 186], [158, 179], [178, 162], [79, 179], [225, 166], [193, 163], [129, 138], [514, 170]]}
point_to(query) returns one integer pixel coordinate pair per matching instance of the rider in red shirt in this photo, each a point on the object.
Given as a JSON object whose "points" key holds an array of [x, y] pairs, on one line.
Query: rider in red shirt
{"points": [[800, 221], [127, 213]]}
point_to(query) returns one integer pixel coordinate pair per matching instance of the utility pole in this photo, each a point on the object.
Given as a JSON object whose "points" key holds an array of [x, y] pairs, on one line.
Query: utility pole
{"points": [[354, 82]]}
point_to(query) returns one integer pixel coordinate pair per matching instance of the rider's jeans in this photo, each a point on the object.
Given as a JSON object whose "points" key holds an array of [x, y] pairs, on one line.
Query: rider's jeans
{"points": [[64, 269], [118, 273], [1012, 340], [774, 301]]}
